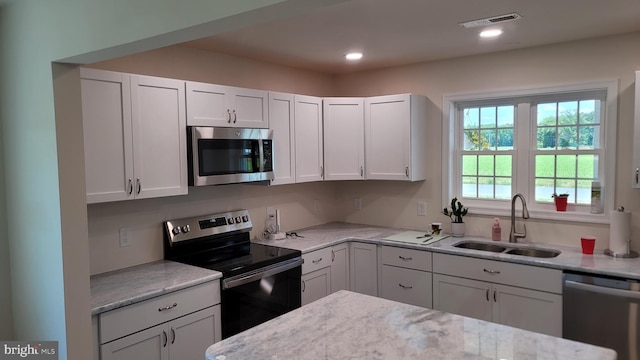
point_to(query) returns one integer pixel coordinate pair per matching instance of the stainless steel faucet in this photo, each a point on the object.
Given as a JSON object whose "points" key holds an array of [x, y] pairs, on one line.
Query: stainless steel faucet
{"points": [[513, 235]]}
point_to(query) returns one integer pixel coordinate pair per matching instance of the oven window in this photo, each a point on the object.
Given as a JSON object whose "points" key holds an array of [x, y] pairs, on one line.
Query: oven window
{"points": [[222, 156], [251, 304]]}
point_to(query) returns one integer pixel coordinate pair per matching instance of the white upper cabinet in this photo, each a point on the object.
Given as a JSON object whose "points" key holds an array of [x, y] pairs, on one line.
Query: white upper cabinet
{"points": [[308, 138], [343, 138], [281, 121], [395, 137], [134, 136], [226, 106], [636, 136]]}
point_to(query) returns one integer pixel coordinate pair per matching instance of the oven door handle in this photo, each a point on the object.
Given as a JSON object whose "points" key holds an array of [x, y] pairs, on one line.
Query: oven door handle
{"points": [[603, 290], [242, 279]]}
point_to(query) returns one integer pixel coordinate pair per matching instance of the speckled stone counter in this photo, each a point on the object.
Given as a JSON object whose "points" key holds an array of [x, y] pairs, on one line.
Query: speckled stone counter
{"points": [[348, 325], [122, 287], [571, 258]]}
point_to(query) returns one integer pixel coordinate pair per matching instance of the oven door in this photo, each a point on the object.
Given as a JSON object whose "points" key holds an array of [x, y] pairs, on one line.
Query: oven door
{"points": [[227, 156], [251, 299]]}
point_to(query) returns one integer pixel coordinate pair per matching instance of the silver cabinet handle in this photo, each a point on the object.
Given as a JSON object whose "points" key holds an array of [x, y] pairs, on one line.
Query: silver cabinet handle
{"points": [[491, 271], [487, 294], [139, 186], [321, 171], [405, 258], [130, 186], [165, 337], [235, 116], [406, 171], [164, 308], [405, 286], [316, 261], [637, 173], [361, 171], [495, 299], [229, 116], [173, 335], [304, 286], [333, 256]]}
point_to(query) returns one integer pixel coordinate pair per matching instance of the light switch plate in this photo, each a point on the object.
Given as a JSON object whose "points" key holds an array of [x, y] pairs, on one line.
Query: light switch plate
{"points": [[422, 208], [125, 237]]}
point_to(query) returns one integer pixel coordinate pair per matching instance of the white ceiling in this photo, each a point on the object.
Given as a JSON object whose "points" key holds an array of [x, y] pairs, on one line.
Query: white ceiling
{"points": [[399, 32]]}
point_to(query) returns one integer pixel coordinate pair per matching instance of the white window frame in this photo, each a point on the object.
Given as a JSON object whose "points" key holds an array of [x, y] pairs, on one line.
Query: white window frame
{"points": [[521, 184]]}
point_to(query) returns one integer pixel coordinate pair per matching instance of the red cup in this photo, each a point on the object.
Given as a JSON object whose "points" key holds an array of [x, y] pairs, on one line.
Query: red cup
{"points": [[588, 243]]}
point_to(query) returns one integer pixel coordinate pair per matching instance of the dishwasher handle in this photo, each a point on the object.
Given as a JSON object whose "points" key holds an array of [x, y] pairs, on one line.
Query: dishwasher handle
{"points": [[602, 290], [261, 273]]}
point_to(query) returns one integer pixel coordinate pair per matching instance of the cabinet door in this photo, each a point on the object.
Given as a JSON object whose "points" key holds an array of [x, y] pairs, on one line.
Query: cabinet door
{"points": [[281, 121], [462, 296], [149, 344], [343, 138], [340, 267], [249, 108], [527, 309], [160, 150], [636, 136], [108, 143], [191, 335], [316, 285], [395, 132], [308, 138], [208, 105], [364, 268], [406, 285]]}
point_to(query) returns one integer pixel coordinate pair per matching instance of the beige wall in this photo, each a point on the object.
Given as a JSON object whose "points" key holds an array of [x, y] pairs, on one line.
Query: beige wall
{"points": [[615, 57]]}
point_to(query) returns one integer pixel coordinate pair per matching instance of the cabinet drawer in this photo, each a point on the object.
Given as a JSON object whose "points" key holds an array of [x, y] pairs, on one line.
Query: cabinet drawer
{"points": [[406, 285], [129, 319], [406, 258], [526, 276], [316, 260]]}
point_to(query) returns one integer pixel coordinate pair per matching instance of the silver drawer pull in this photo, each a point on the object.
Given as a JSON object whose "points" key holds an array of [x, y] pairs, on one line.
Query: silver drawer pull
{"points": [[491, 271], [316, 261], [405, 286], [405, 258], [168, 307]]}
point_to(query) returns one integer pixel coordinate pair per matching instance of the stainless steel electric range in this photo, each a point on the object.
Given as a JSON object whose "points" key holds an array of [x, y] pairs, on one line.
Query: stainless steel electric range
{"points": [[259, 282]]}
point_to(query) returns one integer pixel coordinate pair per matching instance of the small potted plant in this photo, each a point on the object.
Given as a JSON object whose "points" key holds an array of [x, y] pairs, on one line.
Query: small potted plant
{"points": [[456, 213], [560, 201]]}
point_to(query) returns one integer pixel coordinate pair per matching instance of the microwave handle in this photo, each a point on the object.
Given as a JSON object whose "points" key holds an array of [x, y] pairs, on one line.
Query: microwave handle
{"points": [[261, 159]]}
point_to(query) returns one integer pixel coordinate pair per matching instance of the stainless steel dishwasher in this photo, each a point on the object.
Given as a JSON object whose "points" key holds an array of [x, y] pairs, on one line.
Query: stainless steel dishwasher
{"points": [[603, 311]]}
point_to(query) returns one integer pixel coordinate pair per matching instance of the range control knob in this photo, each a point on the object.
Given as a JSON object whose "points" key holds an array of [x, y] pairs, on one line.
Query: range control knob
{"points": [[186, 228], [230, 220], [245, 218], [238, 219], [176, 230]]}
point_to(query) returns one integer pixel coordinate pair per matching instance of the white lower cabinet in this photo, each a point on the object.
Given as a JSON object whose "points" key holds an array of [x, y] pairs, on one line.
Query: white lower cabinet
{"points": [[340, 267], [363, 266], [521, 296], [316, 275], [405, 276], [178, 325]]}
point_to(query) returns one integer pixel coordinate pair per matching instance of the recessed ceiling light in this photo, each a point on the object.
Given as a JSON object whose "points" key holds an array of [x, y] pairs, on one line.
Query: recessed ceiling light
{"points": [[490, 33], [353, 56]]}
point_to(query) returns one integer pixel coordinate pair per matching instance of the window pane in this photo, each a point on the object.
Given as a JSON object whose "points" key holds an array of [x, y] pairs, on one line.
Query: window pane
{"points": [[566, 166], [469, 165], [471, 117], [587, 166], [469, 187], [566, 186], [584, 192], [485, 187], [546, 114], [503, 165], [546, 138], [586, 136], [588, 112], [545, 165], [488, 117], [568, 113], [568, 137], [503, 188], [471, 141], [544, 190], [485, 165], [488, 139], [506, 116], [505, 139]]}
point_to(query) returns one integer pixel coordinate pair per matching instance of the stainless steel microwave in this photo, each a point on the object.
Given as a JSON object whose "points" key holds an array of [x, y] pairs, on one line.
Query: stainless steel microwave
{"points": [[229, 155]]}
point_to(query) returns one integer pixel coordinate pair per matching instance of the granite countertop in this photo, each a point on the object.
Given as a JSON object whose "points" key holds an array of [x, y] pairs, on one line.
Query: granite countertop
{"points": [[571, 258], [347, 325], [123, 287]]}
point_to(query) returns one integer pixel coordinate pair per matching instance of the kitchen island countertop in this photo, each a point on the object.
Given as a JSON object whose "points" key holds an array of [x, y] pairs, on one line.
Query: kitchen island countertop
{"points": [[347, 325]]}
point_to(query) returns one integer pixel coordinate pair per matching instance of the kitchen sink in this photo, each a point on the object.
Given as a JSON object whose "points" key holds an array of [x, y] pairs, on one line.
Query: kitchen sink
{"points": [[531, 252], [511, 250], [475, 245]]}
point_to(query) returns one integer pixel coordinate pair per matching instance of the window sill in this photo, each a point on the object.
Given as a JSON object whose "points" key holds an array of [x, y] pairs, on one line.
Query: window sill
{"points": [[573, 216]]}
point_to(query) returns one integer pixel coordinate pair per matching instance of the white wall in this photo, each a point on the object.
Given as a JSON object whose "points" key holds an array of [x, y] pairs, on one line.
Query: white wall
{"points": [[615, 57], [50, 296]]}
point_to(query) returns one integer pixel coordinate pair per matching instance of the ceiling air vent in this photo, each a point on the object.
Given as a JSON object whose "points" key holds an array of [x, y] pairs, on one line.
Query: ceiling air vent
{"points": [[490, 21]]}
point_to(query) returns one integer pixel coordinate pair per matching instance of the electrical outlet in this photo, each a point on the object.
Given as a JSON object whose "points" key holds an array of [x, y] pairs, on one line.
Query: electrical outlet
{"points": [[125, 237], [422, 208], [271, 213], [357, 203]]}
